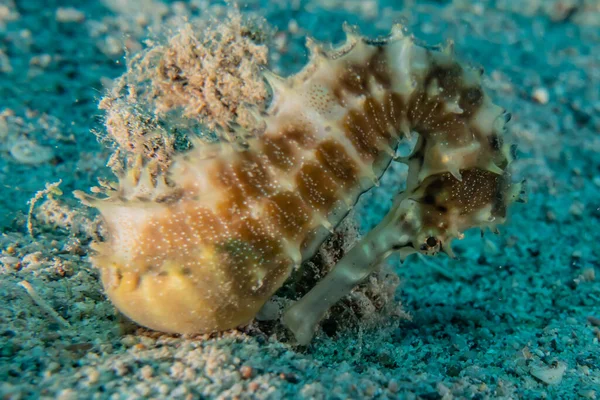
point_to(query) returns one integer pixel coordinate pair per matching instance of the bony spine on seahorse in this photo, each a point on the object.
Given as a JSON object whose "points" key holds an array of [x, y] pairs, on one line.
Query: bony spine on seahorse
{"points": [[206, 251]]}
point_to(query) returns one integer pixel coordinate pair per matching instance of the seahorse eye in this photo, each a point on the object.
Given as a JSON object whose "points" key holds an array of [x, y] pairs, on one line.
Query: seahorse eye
{"points": [[431, 241]]}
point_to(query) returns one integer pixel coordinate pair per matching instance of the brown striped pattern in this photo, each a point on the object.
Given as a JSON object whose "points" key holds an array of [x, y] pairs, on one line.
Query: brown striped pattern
{"points": [[333, 173]]}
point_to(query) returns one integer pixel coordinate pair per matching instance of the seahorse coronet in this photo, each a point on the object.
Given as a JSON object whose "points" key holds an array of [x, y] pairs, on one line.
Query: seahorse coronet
{"points": [[203, 250]]}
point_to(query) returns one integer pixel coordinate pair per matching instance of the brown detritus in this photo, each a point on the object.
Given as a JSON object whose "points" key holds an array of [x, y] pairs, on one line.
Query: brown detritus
{"points": [[50, 190], [54, 213], [199, 78], [369, 304], [329, 253], [43, 304], [134, 132], [26, 136], [214, 77]]}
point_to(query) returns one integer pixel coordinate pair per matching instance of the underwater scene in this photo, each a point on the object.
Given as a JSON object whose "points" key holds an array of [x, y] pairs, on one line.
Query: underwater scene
{"points": [[300, 199]]}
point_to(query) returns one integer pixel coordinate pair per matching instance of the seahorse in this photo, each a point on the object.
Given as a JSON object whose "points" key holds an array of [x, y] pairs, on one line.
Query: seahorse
{"points": [[205, 251]]}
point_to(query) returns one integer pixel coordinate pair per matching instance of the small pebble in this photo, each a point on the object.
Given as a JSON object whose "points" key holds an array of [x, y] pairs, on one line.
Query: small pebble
{"points": [[539, 353], [42, 61], [293, 26], [589, 274], [443, 390], [246, 372], [547, 374], [291, 378], [53, 366], [128, 341], [93, 376], [550, 216], [8, 260], [541, 95], [587, 393], [478, 9], [69, 14], [147, 372], [67, 394], [594, 321], [576, 209], [28, 152]]}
